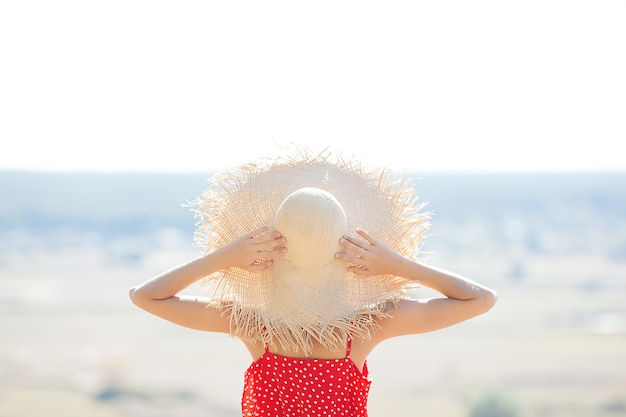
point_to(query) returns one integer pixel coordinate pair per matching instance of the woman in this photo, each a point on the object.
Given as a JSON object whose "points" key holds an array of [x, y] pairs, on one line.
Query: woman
{"points": [[310, 292]]}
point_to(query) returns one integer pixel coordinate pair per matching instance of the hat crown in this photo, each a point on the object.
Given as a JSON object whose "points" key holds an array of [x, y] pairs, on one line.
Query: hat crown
{"points": [[312, 221]]}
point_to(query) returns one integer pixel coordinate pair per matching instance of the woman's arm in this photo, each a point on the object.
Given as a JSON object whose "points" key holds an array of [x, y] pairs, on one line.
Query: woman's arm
{"points": [[462, 298], [160, 295]]}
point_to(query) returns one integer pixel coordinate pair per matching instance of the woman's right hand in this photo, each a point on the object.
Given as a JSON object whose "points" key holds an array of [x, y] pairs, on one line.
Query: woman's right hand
{"points": [[368, 256]]}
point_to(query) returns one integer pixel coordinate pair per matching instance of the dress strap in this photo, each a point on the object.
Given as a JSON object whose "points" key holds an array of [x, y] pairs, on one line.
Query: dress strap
{"points": [[348, 346]]}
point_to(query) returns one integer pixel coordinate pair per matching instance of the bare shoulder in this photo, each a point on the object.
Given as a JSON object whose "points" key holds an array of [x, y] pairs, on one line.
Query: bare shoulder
{"points": [[188, 311], [414, 316]]}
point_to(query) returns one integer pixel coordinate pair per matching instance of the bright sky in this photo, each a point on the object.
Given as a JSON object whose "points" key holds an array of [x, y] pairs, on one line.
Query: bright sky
{"points": [[195, 85]]}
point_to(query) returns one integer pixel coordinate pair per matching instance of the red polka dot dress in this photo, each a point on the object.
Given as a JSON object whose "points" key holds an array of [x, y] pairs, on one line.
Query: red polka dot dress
{"points": [[279, 386]]}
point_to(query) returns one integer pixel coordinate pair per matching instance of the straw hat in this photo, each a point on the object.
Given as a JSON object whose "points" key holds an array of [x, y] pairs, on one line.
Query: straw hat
{"points": [[313, 200]]}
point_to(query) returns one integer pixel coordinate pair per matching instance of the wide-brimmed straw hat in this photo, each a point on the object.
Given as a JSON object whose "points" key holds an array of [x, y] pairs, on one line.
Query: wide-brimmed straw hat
{"points": [[313, 199]]}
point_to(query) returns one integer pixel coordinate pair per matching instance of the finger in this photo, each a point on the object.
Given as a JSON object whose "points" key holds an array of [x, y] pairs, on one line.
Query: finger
{"points": [[358, 270], [260, 265], [366, 236], [277, 251], [272, 245], [351, 243], [267, 236], [347, 258], [352, 240]]}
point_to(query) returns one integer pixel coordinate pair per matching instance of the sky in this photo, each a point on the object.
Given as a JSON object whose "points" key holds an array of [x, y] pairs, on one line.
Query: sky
{"points": [[429, 86]]}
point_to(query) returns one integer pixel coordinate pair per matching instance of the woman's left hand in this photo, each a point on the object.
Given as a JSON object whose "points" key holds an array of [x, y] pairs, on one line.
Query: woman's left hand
{"points": [[253, 251]]}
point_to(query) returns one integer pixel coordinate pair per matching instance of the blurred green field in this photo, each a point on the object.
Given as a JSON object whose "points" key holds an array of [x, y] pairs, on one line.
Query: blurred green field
{"points": [[73, 345]]}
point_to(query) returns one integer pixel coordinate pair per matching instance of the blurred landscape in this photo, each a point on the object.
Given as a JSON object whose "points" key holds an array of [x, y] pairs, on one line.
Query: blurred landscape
{"points": [[72, 344]]}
